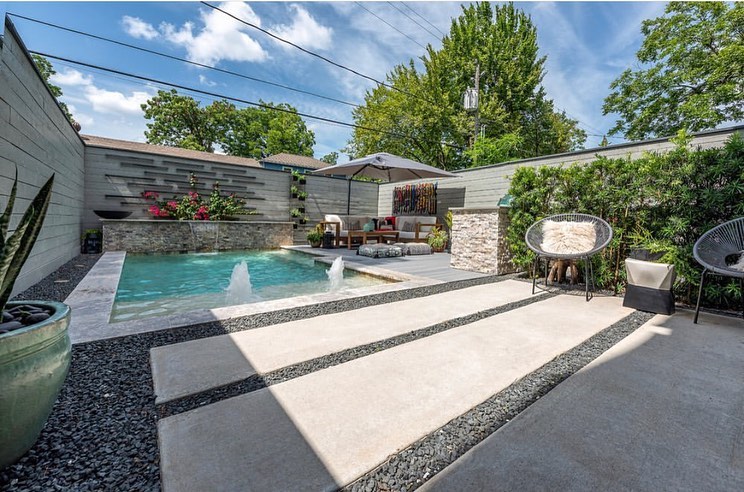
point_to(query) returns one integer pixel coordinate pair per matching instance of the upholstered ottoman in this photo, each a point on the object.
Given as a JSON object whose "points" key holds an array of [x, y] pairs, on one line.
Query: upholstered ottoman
{"points": [[379, 250], [414, 248]]}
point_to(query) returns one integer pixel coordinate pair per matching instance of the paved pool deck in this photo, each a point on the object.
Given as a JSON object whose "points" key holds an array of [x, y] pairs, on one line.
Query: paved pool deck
{"points": [[661, 410]]}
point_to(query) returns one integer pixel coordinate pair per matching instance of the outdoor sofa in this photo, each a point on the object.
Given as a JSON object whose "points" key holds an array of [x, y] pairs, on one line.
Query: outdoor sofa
{"points": [[410, 228]]}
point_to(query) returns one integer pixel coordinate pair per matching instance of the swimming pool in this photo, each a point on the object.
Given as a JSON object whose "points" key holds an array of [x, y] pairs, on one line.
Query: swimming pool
{"points": [[159, 285]]}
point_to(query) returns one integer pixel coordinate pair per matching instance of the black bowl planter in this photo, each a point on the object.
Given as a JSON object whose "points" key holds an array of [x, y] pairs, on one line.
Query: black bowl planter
{"points": [[294, 225], [303, 221], [112, 214], [34, 360], [302, 198], [294, 195]]}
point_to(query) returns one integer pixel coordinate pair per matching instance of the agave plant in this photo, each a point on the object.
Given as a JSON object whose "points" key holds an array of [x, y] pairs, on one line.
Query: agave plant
{"points": [[14, 250]]}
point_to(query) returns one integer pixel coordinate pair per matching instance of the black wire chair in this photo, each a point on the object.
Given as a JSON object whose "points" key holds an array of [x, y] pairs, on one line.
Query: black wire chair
{"points": [[711, 250], [534, 238]]}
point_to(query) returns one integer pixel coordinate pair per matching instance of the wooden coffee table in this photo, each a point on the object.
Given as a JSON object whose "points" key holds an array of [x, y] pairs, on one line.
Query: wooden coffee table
{"points": [[365, 236]]}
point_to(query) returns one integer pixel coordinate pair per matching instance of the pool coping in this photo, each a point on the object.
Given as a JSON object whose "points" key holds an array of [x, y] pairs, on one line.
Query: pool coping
{"points": [[93, 299]]}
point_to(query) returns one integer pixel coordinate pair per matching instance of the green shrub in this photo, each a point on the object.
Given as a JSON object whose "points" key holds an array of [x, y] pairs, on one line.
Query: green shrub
{"points": [[661, 202]]}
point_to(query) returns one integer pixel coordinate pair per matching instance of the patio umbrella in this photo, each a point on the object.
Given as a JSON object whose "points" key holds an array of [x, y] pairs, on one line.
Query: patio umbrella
{"points": [[384, 166]]}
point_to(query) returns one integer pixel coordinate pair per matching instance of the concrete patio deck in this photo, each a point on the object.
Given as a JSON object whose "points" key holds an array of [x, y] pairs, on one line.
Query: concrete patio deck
{"points": [[662, 410], [323, 430]]}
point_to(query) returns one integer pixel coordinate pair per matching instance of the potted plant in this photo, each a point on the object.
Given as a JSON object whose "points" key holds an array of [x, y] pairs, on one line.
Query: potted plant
{"points": [[302, 195], [437, 239], [315, 236], [304, 220], [302, 179], [294, 213], [34, 343], [294, 191], [295, 175]]}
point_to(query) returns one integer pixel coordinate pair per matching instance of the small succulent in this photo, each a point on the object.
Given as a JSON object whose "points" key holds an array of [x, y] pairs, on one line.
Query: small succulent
{"points": [[14, 249]]}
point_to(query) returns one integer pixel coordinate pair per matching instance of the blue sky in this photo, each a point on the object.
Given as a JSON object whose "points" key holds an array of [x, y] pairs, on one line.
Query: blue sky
{"points": [[587, 44]]}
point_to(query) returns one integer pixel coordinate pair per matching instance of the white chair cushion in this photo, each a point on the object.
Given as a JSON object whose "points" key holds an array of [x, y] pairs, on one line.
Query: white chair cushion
{"points": [[567, 237]]}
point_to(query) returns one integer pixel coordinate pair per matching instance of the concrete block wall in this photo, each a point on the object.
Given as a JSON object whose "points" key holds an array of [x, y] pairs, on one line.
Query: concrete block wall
{"points": [[483, 187], [115, 179], [36, 137]]}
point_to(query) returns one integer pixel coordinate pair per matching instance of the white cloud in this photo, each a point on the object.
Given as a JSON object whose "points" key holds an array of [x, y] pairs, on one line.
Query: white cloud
{"points": [[114, 102], [81, 118], [221, 38], [205, 81], [304, 31], [101, 100], [70, 78], [137, 28]]}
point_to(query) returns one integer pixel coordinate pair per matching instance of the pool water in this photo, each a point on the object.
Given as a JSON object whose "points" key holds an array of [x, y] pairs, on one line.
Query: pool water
{"points": [[159, 285]]}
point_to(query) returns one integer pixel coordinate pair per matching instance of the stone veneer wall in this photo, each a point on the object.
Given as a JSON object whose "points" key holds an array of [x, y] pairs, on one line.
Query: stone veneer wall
{"points": [[174, 236], [479, 240]]}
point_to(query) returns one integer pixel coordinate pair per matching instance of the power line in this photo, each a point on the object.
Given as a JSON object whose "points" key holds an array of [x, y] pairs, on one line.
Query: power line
{"points": [[424, 19], [172, 57], [222, 96], [311, 53], [414, 21], [389, 24]]}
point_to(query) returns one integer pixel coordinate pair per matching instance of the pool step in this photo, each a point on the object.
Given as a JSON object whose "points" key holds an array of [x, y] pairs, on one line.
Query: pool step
{"points": [[323, 430]]}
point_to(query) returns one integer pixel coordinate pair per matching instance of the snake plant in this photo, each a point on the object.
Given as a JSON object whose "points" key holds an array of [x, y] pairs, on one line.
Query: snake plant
{"points": [[14, 249]]}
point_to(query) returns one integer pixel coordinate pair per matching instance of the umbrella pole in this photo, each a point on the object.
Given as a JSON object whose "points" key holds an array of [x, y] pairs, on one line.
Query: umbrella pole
{"points": [[348, 198]]}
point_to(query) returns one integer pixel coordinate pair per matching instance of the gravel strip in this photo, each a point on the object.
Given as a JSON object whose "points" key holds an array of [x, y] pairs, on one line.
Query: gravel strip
{"points": [[61, 283], [102, 433], [258, 381], [414, 465]]}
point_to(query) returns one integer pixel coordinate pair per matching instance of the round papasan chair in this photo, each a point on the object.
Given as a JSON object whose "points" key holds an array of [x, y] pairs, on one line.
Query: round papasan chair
{"points": [[713, 249], [571, 236]]}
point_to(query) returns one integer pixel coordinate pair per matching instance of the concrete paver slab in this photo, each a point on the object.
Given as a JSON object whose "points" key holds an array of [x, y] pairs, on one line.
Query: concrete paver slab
{"points": [[661, 410], [220, 360], [356, 414]]}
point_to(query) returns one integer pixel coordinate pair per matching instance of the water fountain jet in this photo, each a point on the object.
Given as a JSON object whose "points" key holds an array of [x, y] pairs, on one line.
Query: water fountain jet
{"points": [[240, 290], [336, 274]]}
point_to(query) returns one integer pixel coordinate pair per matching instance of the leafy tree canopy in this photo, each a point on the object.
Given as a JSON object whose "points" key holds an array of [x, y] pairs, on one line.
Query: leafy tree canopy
{"points": [[47, 70], [331, 158], [423, 114], [694, 68], [179, 121]]}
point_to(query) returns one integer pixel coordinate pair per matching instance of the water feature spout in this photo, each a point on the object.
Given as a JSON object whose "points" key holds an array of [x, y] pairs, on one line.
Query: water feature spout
{"points": [[336, 274], [239, 291]]}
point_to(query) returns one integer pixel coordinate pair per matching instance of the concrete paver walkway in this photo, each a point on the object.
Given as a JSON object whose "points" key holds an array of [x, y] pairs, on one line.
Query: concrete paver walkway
{"points": [[224, 359], [325, 429], [661, 410]]}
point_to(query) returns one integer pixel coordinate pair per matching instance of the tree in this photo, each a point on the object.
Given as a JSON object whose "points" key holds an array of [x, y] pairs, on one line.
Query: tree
{"points": [[47, 70], [423, 113], [179, 121], [694, 57], [331, 158]]}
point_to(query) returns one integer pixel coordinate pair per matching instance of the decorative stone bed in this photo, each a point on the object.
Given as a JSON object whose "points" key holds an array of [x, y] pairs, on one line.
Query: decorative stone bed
{"points": [[176, 236]]}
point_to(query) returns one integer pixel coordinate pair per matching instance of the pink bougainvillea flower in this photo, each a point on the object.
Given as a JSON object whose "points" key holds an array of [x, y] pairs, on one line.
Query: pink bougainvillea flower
{"points": [[173, 204], [154, 209], [163, 213]]}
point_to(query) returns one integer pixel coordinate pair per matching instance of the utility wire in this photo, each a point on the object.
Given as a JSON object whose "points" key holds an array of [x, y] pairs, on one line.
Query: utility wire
{"points": [[222, 96], [311, 53], [172, 57], [414, 21], [424, 19], [389, 24]]}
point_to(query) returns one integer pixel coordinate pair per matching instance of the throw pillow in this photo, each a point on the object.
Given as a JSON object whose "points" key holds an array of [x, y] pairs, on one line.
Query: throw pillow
{"points": [[408, 227], [738, 264], [369, 226], [568, 238]]}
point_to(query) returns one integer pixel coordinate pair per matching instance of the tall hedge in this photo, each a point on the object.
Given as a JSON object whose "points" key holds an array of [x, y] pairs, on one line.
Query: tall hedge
{"points": [[661, 202]]}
